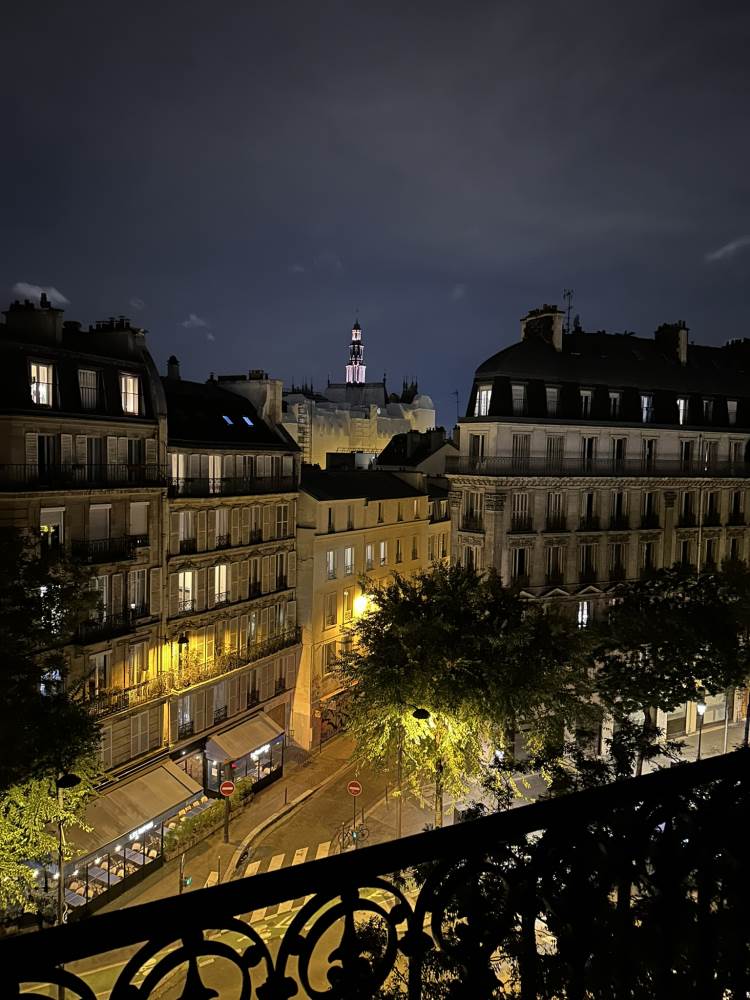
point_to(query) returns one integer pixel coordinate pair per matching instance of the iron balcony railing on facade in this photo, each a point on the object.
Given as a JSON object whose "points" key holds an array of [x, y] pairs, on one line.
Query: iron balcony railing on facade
{"points": [[589, 522], [186, 605], [188, 546], [224, 663], [440, 516], [185, 729], [223, 541], [542, 466], [230, 486], [634, 889], [221, 599], [104, 627], [221, 714], [619, 522], [521, 523], [101, 550], [686, 519], [112, 700], [472, 522], [79, 476], [587, 574], [711, 519], [556, 522], [650, 520], [736, 519]]}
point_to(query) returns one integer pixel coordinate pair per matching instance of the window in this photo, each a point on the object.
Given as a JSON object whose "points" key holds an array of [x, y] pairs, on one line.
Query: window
{"points": [[712, 548], [130, 394], [553, 400], [400, 511], [684, 554], [647, 409], [415, 509], [221, 583], [399, 551], [648, 453], [732, 411], [369, 556], [186, 521], [88, 385], [222, 527], [350, 517], [649, 504], [281, 571], [40, 378], [619, 509], [521, 451], [444, 545], [221, 701], [587, 554], [248, 421], [98, 522], [554, 563], [585, 403], [138, 520], [331, 564], [137, 663], [519, 517], [476, 446], [380, 513], [619, 450], [347, 612], [98, 679], [555, 450], [520, 563], [414, 547], [139, 734], [473, 557], [682, 410], [214, 473], [100, 585], [736, 452], [178, 469], [329, 657], [383, 553], [735, 549], [708, 410], [518, 393], [51, 526], [282, 520], [331, 520], [227, 420], [555, 515], [735, 504], [48, 451], [329, 611], [588, 507], [349, 560], [687, 454], [615, 399], [185, 591], [710, 454], [96, 459], [431, 548], [482, 404], [588, 452], [648, 555], [617, 558], [585, 613], [185, 711], [137, 597]]}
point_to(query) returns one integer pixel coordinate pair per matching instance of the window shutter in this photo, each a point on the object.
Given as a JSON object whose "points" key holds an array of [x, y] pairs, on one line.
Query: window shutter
{"points": [[245, 525], [194, 466], [210, 644], [151, 451], [292, 517], [243, 632], [211, 531], [234, 581], [264, 623], [117, 590], [173, 594], [138, 734], [235, 526], [291, 569], [173, 721], [233, 635], [243, 679], [228, 466], [155, 591], [111, 451], [105, 746], [204, 466], [174, 533], [267, 526], [32, 449], [286, 464], [234, 691], [266, 678], [291, 614], [66, 449], [80, 449], [201, 534], [200, 710], [122, 451], [210, 587], [201, 591], [265, 573], [244, 580]]}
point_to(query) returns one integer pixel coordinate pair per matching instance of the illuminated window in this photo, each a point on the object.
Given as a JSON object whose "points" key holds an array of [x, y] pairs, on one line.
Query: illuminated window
{"points": [[369, 556], [732, 411], [130, 394], [585, 613], [41, 384], [647, 409], [331, 564], [228, 420], [248, 421], [383, 553], [221, 583], [348, 605], [553, 400], [349, 560], [586, 403], [519, 400], [329, 611], [399, 551], [482, 404], [682, 410], [185, 591]]}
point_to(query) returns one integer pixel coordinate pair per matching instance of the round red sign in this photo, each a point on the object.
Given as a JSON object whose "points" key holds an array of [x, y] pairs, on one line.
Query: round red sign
{"points": [[226, 788], [354, 787]]}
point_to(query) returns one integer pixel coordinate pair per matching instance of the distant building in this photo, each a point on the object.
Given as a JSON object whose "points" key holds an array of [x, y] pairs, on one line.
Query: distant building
{"points": [[354, 415]]}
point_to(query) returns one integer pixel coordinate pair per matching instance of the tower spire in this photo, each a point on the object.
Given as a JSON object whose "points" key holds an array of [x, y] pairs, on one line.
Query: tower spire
{"points": [[355, 370]]}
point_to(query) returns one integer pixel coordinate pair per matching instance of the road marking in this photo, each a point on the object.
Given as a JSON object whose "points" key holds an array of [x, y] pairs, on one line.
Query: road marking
{"points": [[299, 856], [276, 862], [213, 878], [323, 850], [252, 868]]}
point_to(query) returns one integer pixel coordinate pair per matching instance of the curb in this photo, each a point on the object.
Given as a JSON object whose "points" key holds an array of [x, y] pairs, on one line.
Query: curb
{"points": [[275, 817]]}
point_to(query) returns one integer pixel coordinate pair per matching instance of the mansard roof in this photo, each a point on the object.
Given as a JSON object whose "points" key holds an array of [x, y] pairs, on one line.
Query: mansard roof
{"points": [[355, 484]]}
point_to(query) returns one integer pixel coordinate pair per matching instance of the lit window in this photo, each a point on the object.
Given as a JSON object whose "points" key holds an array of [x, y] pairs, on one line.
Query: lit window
{"points": [[185, 591], [399, 552], [349, 560], [708, 410], [221, 583], [482, 405], [228, 420], [369, 556], [647, 409], [732, 411], [41, 384], [614, 404], [348, 605], [584, 614], [519, 400], [331, 564], [87, 385], [248, 421], [682, 410], [553, 399], [130, 394], [383, 553], [585, 403], [329, 612]]}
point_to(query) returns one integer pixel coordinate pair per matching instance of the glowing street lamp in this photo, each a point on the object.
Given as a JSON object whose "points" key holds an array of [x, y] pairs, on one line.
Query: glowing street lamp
{"points": [[700, 707]]}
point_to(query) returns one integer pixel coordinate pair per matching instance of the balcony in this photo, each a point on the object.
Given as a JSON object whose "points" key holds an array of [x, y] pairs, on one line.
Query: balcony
{"points": [[221, 714], [223, 541], [186, 606], [185, 729], [195, 673], [105, 627], [686, 519], [617, 572], [556, 522], [633, 889], [519, 580], [590, 522], [103, 550], [472, 522], [650, 520], [619, 522], [188, 546], [221, 599], [231, 487], [587, 574], [79, 477], [554, 579], [711, 519], [736, 519], [113, 700], [253, 697], [520, 525], [464, 465]]}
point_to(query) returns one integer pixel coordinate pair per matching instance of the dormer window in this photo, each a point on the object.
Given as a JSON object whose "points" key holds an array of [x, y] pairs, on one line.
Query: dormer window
{"points": [[482, 405], [228, 420], [647, 408], [615, 398], [88, 386], [732, 411], [553, 399], [248, 421], [130, 394], [708, 410], [41, 383], [682, 410], [518, 391], [586, 403]]}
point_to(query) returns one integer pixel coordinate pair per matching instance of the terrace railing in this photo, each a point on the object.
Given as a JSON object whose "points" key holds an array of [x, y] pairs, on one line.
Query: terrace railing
{"points": [[540, 465]]}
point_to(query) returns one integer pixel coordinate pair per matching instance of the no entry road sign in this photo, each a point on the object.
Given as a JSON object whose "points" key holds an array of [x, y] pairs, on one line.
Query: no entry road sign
{"points": [[226, 788], [354, 788]]}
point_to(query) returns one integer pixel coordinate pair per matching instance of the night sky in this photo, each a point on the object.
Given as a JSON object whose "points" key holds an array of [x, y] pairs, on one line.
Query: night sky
{"points": [[239, 177]]}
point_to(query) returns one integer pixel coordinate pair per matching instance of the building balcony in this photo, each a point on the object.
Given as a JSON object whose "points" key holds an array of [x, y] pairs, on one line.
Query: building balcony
{"points": [[103, 550], [188, 546], [79, 477], [650, 520], [113, 700], [230, 487], [608, 892], [617, 572], [221, 599], [223, 541], [185, 729], [195, 673], [589, 522], [519, 580], [465, 465], [472, 522], [221, 714], [556, 522], [187, 605], [554, 579], [520, 525], [686, 519], [619, 522], [587, 575], [711, 519], [736, 519], [105, 627]]}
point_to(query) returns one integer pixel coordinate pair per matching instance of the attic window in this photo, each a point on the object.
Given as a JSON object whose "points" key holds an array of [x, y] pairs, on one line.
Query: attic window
{"points": [[248, 421], [227, 420]]}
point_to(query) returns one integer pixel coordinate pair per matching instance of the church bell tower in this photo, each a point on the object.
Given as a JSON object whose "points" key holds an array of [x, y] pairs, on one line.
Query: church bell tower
{"points": [[355, 370]]}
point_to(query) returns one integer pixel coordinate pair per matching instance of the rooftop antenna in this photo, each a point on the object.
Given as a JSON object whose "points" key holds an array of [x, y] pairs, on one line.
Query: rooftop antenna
{"points": [[568, 296], [455, 393]]}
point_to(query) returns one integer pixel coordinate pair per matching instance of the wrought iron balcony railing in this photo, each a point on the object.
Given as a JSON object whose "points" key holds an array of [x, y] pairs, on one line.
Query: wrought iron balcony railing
{"points": [[521, 523], [587, 574], [736, 518], [194, 673], [619, 522], [686, 519], [650, 520], [589, 522], [105, 627], [711, 519], [101, 550], [472, 522], [232, 486], [76, 477], [223, 541], [113, 700], [634, 889], [540, 465], [556, 522]]}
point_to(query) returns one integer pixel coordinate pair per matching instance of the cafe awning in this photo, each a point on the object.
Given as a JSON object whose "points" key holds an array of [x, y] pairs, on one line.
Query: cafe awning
{"points": [[243, 739], [131, 804]]}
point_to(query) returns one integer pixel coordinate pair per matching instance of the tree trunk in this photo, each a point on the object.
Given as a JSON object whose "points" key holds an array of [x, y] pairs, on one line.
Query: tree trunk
{"points": [[648, 726], [439, 794]]}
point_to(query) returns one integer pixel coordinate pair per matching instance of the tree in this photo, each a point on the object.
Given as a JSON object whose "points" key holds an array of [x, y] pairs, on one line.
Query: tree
{"points": [[448, 664], [665, 637], [44, 728]]}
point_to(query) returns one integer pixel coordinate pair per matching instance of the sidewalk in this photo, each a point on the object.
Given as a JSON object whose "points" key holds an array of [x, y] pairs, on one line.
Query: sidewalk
{"points": [[301, 773]]}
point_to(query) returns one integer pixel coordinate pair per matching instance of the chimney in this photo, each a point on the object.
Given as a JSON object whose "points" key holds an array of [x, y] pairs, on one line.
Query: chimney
{"points": [[263, 392], [546, 324], [173, 367], [673, 340]]}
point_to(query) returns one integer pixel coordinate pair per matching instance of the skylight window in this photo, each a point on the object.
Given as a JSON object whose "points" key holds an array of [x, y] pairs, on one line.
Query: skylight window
{"points": [[248, 421], [228, 420]]}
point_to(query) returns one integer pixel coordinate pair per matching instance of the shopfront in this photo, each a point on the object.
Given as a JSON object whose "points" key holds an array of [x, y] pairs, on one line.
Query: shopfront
{"points": [[253, 749], [126, 841]]}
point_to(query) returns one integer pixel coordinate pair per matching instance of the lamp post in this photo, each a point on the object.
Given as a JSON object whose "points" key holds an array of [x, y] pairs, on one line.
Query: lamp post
{"points": [[63, 781], [700, 707]]}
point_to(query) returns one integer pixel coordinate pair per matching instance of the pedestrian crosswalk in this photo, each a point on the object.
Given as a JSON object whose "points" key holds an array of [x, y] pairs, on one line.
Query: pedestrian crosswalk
{"points": [[298, 857]]}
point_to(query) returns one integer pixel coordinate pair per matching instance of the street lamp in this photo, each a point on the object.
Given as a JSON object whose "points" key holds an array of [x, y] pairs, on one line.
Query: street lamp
{"points": [[700, 707]]}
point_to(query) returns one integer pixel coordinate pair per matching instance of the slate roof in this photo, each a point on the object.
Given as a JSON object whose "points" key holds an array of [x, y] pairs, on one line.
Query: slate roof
{"points": [[396, 451], [355, 484]]}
